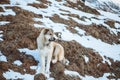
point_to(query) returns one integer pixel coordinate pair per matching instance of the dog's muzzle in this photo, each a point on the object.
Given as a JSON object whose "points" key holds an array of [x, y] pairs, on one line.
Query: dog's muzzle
{"points": [[52, 39]]}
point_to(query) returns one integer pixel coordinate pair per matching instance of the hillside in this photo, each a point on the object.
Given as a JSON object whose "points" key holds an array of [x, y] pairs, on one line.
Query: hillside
{"points": [[109, 5], [90, 37]]}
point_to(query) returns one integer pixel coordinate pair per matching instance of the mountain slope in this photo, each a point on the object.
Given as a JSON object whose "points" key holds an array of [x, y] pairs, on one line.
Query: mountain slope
{"points": [[90, 37], [109, 5]]}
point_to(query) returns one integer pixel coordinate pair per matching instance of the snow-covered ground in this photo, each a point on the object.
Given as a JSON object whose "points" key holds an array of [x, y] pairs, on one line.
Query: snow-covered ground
{"points": [[107, 5], [76, 74], [87, 41], [15, 75]]}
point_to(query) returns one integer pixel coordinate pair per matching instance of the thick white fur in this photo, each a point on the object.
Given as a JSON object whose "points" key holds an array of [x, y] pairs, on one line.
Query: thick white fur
{"points": [[48, 49], [58, 53], [45, 51]]}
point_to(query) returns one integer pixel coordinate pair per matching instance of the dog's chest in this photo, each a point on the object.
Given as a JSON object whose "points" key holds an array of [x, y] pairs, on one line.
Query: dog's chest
{"points": [[45, 51]]}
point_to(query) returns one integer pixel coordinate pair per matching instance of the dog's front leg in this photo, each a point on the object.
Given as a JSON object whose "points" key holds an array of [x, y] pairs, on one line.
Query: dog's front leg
{"points": [[49, 57], [42, 64]]}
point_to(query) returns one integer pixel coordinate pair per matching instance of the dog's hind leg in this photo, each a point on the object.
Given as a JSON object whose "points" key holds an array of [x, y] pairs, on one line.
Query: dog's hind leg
{"points": [[55, 54], [55, 59]]}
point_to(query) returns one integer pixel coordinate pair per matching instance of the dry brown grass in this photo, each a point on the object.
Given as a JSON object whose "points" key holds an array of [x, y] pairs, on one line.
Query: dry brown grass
{"points": [[97, 31], [38, 5], [111, 23], [1, 9], [4, 2], [81, 6]]}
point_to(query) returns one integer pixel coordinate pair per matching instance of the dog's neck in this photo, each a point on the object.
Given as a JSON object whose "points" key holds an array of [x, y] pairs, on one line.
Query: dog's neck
{"points": [[47, 44]]}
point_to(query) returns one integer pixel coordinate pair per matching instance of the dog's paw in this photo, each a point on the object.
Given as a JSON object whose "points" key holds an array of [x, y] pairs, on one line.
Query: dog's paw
{"points": [[54, 61]]}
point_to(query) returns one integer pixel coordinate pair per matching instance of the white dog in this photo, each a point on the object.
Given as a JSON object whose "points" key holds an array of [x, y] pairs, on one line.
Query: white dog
{"points": [[47, 48]]}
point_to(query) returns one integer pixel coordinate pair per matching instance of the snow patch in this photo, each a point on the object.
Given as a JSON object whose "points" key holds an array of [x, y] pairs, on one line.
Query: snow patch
{"points": [[108, 15], [104, 77], [117, 25], [7, 11], [36, 19], [1, 35], [23, 2], [11, 75], [72, 73], [34, 53], [17, 62], [80, 31], [86, 22], [4, 22], [1, 32], [73, 1], [2, 57], [86, 58], [33, 67], [76, 74], [38, 26]]}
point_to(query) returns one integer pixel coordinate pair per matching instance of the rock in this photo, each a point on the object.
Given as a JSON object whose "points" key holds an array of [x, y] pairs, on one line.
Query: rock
{"points": [[57, 68], [57, 71], [39, 77]]}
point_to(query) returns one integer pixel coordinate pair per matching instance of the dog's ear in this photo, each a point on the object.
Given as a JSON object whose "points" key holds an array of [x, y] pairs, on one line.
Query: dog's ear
{"points": [[48, 30], [42, 37], [44, 31]]}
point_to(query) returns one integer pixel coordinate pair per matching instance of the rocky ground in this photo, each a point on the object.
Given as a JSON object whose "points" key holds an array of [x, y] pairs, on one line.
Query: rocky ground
{"points": [[21, 33]]}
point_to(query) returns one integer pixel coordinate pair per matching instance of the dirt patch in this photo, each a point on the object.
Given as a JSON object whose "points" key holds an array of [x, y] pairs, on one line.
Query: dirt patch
{"points": [[101, 32], [38, 5], [27, 14], [1, 9], [57, 19], [45, 1], [81, 6], [4, 2], [59, 0], [6, 18], [111, 23], [97, 31]]}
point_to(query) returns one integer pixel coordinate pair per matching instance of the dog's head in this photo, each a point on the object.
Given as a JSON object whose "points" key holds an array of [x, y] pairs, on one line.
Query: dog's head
{"points": [[49, 35]]}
